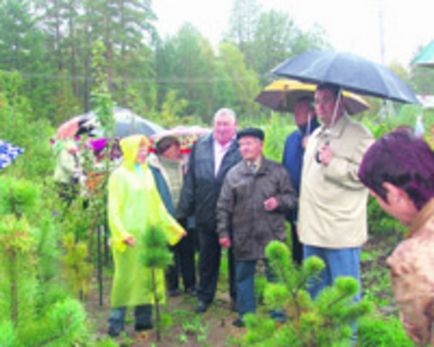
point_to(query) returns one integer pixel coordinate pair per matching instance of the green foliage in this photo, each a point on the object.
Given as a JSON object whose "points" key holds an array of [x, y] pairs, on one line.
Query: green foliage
{"points": [[22, 49], [8, 337], [17, 197], [324, 321], [375, 331], [78, 270], [34, 313], [156, 254], [380, 222], [65, 103], [266, 38], [156, 257], [185, 64], [64, 324], [240, 79], [277, 128], [101, 97], [17, 246], [171, 109], [20, 127], [194, 327]]}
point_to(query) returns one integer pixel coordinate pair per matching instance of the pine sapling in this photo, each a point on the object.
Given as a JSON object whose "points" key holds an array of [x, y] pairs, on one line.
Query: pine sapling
{"points": [[325, 321], [156, 257]]}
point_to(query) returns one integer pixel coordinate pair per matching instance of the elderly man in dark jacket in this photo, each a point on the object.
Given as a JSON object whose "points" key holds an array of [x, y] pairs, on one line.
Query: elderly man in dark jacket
{"points": [[210, 159], [256, 194]]}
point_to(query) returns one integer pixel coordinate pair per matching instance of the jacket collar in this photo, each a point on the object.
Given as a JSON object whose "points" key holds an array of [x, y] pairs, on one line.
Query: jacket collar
{"points": [[263, 167], [424, 216], [337, 129]]}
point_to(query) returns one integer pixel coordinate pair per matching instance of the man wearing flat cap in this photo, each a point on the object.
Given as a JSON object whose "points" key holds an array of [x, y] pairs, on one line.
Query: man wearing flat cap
{"points": [[255, 196]]}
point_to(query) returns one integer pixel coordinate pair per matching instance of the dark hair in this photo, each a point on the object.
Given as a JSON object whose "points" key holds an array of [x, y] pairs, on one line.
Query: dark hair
{"points": [[334, 89], [165, 143], [306, 99], [403, 160]]}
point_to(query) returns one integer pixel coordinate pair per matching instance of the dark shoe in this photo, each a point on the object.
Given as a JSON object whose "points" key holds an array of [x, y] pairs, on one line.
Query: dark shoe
{"points": [[238, 323], [201, 307], [173, 293], [113, 332], [191, 291], [141, 327]]}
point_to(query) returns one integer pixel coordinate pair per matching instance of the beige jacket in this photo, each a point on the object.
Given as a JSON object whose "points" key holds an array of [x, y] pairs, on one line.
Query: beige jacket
{"points": [[412, 271], [333, 201]]}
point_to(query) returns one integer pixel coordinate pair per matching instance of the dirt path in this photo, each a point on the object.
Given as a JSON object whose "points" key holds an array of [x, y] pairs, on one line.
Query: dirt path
{"points": [[214, 328], [184, 326]]}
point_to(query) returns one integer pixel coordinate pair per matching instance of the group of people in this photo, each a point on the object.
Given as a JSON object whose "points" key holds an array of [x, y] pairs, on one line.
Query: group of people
{"points": [[240, 200]]}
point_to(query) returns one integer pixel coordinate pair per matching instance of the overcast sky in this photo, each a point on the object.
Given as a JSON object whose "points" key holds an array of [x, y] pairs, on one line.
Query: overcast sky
{"points": [[351, 25]]}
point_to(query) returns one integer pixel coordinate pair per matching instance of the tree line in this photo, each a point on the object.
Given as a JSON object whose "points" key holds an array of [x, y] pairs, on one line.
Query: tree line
{"points": [[51, 44]]}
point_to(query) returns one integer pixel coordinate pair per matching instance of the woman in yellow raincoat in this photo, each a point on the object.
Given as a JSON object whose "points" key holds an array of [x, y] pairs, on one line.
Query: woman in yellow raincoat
{"points": [[134, 205]]}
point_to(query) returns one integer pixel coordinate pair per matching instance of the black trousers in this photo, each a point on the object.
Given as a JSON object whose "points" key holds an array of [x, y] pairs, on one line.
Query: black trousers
{"points": [[183, 263], [209, 266], [297, 246]]}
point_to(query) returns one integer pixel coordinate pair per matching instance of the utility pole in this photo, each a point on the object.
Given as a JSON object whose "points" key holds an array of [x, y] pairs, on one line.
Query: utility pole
{"points": [[381, 28]]}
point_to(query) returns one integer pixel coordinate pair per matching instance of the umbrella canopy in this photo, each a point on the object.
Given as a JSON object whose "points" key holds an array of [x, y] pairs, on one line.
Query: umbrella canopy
{"points": [[426, 56], [186, 135], [8, 153], [126, 123], [281, 95], [73, 127], [348, 71]]}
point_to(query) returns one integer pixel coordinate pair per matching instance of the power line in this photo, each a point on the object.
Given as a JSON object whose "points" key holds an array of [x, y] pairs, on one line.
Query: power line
{"points": [[168, 80]]}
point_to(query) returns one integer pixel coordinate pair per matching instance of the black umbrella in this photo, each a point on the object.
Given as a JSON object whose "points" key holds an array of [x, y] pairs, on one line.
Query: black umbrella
{"points": [[126, 123], [348, 71]]}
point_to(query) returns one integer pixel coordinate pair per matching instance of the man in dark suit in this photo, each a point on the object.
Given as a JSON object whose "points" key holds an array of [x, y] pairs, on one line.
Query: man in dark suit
{"points": [[211, 158]]}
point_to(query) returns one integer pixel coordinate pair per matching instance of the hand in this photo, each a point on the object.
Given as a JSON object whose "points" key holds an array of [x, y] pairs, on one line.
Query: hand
{"points": [[304, 141], [271, 203], [225, 242], [130, 241], [184, 233], [325, 155]]}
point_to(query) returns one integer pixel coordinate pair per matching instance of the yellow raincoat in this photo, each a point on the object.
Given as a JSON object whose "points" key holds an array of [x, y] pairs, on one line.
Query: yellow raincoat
{"points": [[134, 205]]}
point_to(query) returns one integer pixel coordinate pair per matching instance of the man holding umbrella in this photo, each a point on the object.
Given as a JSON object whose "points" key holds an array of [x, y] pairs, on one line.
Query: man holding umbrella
{"points": [[332, 220]]}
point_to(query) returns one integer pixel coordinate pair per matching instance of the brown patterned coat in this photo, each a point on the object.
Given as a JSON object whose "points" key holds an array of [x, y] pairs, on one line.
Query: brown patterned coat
{"points": [[412, 270]]}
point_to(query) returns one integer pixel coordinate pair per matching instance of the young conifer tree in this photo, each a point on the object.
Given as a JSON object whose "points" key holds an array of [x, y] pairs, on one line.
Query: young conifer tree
{"points": [[26, 235], [156, 257], [325, 321]]}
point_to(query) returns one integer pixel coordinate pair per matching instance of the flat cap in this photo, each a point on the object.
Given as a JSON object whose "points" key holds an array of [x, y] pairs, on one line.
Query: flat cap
{"points": [[254, 132]]}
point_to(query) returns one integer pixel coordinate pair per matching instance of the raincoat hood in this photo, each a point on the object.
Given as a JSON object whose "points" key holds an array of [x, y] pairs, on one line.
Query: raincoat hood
{"points": [[130, 147]]}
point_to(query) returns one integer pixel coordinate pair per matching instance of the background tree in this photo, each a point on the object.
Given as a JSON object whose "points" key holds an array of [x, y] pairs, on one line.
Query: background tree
{"points": [[241, 81], [191, 70], [22, 48], [243, 26]]}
